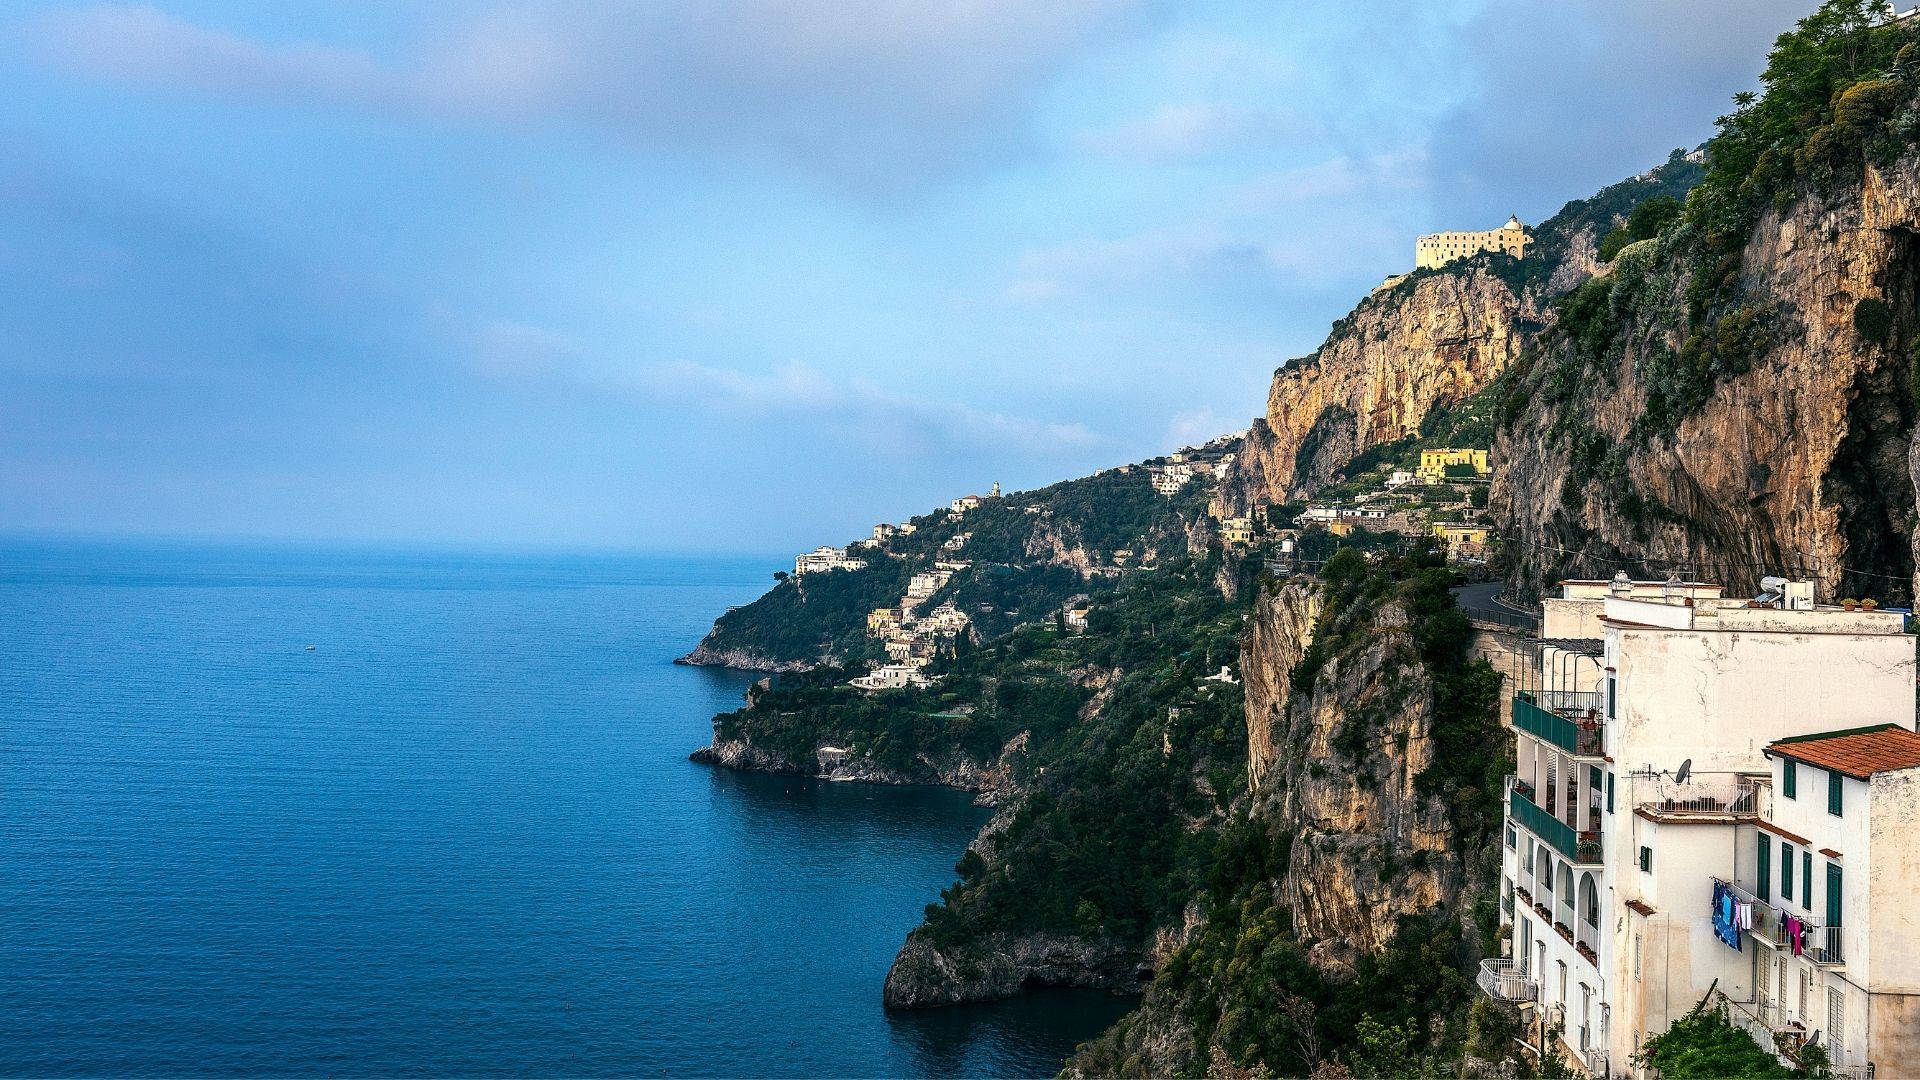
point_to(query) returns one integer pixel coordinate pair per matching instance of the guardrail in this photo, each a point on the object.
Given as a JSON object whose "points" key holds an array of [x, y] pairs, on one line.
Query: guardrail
{"points": [[1581, 738], [1576, 847], [1503, 981]]}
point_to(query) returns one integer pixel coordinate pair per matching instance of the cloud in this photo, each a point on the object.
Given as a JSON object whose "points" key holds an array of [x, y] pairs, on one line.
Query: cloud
{"points": [[872, 92], [1197, 426], [1573, 96], [1189, 131], [1309, 223]]}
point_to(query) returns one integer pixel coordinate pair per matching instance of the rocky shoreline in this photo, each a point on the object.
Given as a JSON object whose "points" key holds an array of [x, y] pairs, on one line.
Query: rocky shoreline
{"points": [[740, 660]]}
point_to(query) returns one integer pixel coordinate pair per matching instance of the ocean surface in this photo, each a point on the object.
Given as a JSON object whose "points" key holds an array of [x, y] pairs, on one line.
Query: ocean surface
{"points": [[459, 835]]}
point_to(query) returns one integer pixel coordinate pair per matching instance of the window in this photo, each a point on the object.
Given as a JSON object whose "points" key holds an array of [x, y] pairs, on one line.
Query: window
{"points": [[1833, 793], [1806, 880], [1612, 697], [1563, 982], [1609, 793], [1763, 977], [1833, 894], [1646, 859], [1789, 779], [1513, 839], [1786, 871], [1762, 869], [1803, 997], [1836, 1023]]}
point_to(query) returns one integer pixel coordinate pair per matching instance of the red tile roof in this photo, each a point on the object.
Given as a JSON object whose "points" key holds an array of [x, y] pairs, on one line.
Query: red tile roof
{"points": [[1857, 752]]}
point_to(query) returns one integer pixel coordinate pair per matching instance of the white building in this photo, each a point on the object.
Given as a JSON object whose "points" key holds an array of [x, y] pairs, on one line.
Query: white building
{"points": [[1320, 513], [1653, 739], [1169, 479], [893, 677], [965, 503], [825, 558]]}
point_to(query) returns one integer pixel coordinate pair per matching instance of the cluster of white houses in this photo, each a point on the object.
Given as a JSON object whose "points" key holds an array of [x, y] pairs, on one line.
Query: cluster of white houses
{"points": [[913, 639], [1715, 797]]}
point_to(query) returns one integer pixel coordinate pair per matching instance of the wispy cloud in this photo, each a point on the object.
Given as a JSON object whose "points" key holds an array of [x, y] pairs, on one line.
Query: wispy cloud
{"points": [[869, 90], [1197, 130]]}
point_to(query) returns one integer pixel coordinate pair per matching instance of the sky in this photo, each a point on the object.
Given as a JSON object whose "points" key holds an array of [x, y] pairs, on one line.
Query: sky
{"points": [[738, 275]]}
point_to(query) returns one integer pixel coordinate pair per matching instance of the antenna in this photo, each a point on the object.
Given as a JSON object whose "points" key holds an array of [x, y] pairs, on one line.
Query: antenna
{"points": [[1685, 771]]}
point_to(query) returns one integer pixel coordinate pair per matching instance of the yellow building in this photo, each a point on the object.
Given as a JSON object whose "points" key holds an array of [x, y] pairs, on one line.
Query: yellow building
{"points": [[881, 620], [1462, 541], [1433, 463], [1435, 250], [1237, 531]]}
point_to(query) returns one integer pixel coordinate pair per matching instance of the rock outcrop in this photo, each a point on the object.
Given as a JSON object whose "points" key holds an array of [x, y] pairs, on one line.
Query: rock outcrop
{"points": [[1800, 463], [999, 966], [1343, 753], [1430, 342], [1278, 634], [740, 660]]}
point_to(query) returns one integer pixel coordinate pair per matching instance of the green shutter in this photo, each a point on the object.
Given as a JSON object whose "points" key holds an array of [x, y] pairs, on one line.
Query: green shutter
{"points": [[1786, 871], [1834, 780], [1833, 894], [1806, 880], [1609, 793], [1763, 873], [1789, 779], [1646, 858], [1611, 697]]}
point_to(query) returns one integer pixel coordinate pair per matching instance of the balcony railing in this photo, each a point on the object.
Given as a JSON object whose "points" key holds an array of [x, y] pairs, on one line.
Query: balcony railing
{"points": [[1582, 734], [1702, 796], [1779, 929], [1582, 848], [1502, 980]]}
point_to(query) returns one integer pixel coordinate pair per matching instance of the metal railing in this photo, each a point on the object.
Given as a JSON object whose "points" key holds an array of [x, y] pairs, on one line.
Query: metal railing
{"points": [[1797, 935], [1580, 848], [1718, 795], [1583, 737], [1501, 979]]}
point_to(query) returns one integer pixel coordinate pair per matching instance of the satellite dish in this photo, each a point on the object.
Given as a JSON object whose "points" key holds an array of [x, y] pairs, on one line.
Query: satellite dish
{"points": [[1686, 770]]}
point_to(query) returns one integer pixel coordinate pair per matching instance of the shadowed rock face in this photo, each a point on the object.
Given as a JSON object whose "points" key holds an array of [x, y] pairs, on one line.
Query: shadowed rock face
{"points": [[1339, 760], [1803, 463], [925, 976]]}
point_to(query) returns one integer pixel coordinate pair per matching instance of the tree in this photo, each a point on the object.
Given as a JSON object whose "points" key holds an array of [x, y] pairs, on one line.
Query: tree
{"points": [[1704, 1045]]}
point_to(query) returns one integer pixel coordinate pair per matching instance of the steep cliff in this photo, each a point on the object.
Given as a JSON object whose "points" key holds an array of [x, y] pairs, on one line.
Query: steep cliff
{"points": [[1408, 353], [1347, 870], [1735, 399]]}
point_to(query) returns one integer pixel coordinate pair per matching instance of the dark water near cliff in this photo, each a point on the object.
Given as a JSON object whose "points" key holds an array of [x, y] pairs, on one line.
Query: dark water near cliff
{"points": [[460, 836]]}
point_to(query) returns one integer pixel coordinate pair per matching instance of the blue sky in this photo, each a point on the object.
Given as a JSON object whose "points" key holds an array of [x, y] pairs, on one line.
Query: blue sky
{"points": [[738, 274]]}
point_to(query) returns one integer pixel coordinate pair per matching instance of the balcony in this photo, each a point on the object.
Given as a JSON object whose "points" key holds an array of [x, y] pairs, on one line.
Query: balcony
{"points": [[1502, 980], [1574, 729], [1727, 795], [1778, 929], [1579, 848]]}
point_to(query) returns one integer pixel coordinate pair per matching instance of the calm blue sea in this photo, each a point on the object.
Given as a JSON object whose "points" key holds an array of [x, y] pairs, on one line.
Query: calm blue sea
{"points": [[460, 835]]}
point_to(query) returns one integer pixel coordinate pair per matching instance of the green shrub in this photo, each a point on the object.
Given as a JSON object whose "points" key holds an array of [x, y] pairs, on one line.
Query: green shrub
{"points": [[1873, 320]]}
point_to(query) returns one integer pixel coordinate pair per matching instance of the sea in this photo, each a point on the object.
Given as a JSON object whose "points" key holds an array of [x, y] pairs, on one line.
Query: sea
{"points": [[278, 811]]}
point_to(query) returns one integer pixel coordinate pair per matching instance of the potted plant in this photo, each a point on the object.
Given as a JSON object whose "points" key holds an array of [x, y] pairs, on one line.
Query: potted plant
{"points": [[1849, 603]]}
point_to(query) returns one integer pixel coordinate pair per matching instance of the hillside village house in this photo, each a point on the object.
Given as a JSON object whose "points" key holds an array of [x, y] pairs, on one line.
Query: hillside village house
{"points": [[1434, 250], [893, 677], [1169, 479], [1433, 463], [822, 559], [1461, 541], [1714, 794], [1236, 530]]}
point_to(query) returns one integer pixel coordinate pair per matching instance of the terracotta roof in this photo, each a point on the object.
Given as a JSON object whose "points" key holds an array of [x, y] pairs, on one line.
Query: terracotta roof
{"points": [[1768, 826], [1856, 752], [1640, 907]]}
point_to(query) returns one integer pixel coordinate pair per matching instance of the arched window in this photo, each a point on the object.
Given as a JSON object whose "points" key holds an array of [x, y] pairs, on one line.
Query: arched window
{"points": [[1566, 884], [1546, 870], [1589, 901]]}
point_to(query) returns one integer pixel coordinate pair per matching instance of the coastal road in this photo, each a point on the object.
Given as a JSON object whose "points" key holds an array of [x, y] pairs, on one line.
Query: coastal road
{"points": [[1483, 604]]}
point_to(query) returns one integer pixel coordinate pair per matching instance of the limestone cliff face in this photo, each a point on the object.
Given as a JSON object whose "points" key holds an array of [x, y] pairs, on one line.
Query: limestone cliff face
{"points": [[1342, 758], [1278, 633], [1803, 462], [1431, 341]]}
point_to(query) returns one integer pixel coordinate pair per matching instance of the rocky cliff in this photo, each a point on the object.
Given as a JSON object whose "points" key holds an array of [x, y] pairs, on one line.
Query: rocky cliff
{"points": [[1770, 432], [1410, 352], [1368, 848], [1430, 342]]}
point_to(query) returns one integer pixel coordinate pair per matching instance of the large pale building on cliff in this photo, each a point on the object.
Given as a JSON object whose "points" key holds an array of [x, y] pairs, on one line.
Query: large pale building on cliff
{"points": [[1715, 797], [1436, 250]]}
